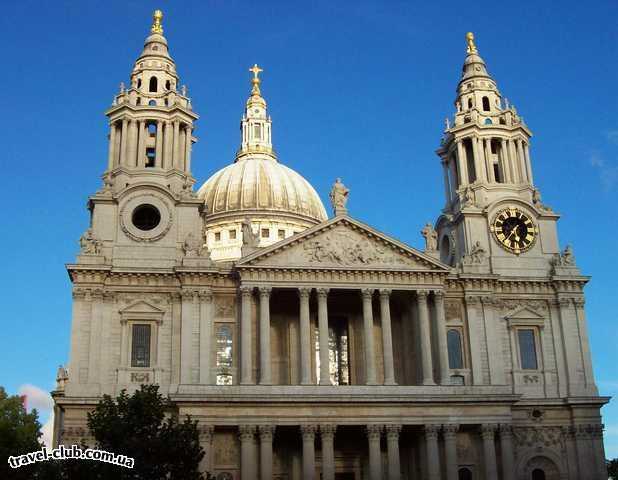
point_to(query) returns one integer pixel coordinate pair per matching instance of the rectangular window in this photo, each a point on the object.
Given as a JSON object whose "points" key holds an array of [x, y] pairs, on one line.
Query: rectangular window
{"points": [[150, 157], [232, 234], [527, 349], [338, 352], [265, 233], [281, 234], [257, 132], [140, 346], [223, 335], [455, 350], [217, 236]]}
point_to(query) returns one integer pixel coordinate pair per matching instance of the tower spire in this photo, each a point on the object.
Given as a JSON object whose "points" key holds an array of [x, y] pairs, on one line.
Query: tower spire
{"points": [[256, 124], [157, 26], [471, 46]]}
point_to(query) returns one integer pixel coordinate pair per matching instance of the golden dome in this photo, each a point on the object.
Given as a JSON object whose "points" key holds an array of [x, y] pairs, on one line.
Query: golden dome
{"points": [[260, 184]]}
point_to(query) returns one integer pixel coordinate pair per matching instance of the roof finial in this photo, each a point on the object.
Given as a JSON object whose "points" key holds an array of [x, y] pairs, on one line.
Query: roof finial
{"points": [[255, 80], [157, 27], [471, 46]]}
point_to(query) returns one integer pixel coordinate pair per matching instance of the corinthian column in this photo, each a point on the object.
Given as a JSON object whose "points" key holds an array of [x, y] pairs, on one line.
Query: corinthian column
{"points": [[327, 435], [441, 334], [266, 451], [370, 365], [124, 142], [176, 147], [433, 455], [246, 434], [374, 433], [425, 333], [205, 435], [387, 337], [159, 145], [323, 329], [392, 448], [189, 303], [206, 315], [308, 433], [265, 370], [246, 336], [489, 450], [450, 450], [305, 337], [506, 448], [112, 146], [168, 145], [188, 148]]}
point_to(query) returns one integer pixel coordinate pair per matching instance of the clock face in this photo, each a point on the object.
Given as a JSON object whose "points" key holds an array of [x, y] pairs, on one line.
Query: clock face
{"points": [[514, 230]]}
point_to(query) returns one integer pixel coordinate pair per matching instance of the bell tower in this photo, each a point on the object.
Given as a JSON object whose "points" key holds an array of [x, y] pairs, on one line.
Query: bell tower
{"points": [[151, 122], [493, 217]]}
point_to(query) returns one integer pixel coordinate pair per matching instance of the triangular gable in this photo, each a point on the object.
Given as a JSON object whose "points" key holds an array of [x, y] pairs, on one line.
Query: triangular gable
{"points": [[141, 306], [342, 243], [524, 313]]}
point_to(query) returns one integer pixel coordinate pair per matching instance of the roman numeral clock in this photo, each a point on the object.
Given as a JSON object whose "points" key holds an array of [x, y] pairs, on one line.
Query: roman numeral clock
{"points": [[514, 230]]}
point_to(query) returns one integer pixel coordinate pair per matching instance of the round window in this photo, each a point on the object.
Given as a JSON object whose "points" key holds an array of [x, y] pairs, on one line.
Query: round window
{"points": [[146, 217]]}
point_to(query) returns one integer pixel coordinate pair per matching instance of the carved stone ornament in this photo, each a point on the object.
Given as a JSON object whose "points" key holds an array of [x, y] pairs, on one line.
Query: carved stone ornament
{"points": [[339, 197], [89, 244], [151, 198], [477, 255], [225, 307], [510, 304], [192, 246], [140, 377], [539, 437], [249, 239], [62, 377], [564, 259], [431, 238]]}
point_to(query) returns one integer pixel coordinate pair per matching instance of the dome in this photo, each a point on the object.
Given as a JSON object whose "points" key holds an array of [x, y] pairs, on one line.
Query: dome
{"points": [[258, 183]]}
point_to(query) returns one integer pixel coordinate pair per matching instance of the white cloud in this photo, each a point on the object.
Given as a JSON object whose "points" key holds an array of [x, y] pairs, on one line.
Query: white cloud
{"points": [[36, 398], [48, 431], [608, 173]]}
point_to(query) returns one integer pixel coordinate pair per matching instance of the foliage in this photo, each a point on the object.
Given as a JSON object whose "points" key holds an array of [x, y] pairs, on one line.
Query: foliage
{"points": [[612, 468]]}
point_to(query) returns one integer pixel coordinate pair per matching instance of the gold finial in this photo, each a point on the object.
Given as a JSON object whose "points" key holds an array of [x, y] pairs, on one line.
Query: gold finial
{"points": [[157, 27], [255, 80], [471, 45]]}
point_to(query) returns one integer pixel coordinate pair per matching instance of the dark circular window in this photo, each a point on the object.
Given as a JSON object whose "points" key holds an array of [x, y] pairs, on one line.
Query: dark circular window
{"points": [[146, 217]]}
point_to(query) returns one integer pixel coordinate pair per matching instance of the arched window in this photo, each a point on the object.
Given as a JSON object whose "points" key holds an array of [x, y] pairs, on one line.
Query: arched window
{"points": [[152, 86], [464, 473], [488, 121], [469, 103], [139, 83], [167, 85], [538, 474], [455, 351], [486, 104], [152, 103], [152, 128], [138, 101]]}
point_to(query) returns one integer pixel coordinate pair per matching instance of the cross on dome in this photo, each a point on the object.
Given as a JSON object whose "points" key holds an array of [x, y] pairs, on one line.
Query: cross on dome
{"points": [[157, 26], [256, 79], [471, 46]]}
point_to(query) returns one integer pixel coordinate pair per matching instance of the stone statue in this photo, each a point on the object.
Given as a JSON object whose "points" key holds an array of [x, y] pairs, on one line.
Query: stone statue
{"points": [[468, 197], [192, 246], [339, 197], [183, 90], [477, 255], [447, 123], [89, 244], [431, 238], [62, 378], [249, 239], [122, 87], [536, 197], [567, 258]]}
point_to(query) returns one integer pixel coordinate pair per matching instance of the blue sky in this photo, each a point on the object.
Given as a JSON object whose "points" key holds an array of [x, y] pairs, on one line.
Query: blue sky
{"points": [[356, 89]]}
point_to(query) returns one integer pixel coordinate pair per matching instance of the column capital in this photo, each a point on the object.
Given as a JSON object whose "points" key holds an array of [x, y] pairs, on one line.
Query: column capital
{"points": [[265, 291], [205, 295], [245, 290], [246, 432], [328, 430], [488, 430], [304, 292], [431, 431], [367, 293], [579, 302], [392, 431], [473, 300], [421, 295], [450, 430], [308, 431], [385, 293], [438, 294], [374, 431], [266, 432], [205, 432], [323, 292], [505, 429]]}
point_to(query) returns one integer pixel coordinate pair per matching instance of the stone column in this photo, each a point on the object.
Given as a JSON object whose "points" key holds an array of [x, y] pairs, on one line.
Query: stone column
{"points": [[580, 314], [528, 165], [392, 449], [462, 162], [159, 145], [370, 362], [599, 450], [507, 452], [450, 450], [112, 146], [447, 183], [433, 454], [188, 148], [308, 433], [168, 145], [247, 462], [186, 332], [305, 336], [132, 160], [246, 337], [387, 337], [124, 142], [206, 435], [176, 147], [327, 434], [141, 144], [585, 454], [425, 334], [508, 163], [265, 370], [374, 433], [323, 330], [478, 159], [491, 177], [438, 296], [266, 451], [489, 450], [571, 452], [206, 316]]}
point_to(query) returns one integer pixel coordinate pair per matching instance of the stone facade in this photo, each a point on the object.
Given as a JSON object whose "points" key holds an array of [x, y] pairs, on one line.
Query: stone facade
{"points": [[332, 350]]}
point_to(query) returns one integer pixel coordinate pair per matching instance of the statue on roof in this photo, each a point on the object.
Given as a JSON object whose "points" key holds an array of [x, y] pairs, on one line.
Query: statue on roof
{"points": [[339, 197]]}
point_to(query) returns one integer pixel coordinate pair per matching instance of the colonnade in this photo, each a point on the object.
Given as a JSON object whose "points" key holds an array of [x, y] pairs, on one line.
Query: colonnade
{"points": [[130, 138], [306, 346], [436, 466]]}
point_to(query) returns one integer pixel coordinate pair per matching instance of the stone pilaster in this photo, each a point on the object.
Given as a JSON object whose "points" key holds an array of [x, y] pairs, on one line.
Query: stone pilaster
{"points": [[206, 434], [327, 435], [305, 337], [450, 450], [246, 337], [323, 330], [425, 334], [488, 432], [265, 360], [266, 451], [370, 361], [392, 450], [246, 433], [308, 434], [387, 337], [441, 334], [433, 454], [476, 335], [206, 333], [507, 452], [374, 433]]}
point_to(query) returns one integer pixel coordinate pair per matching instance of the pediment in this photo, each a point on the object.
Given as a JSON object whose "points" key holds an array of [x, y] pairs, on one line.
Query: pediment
{"points": [[342, 243], [524, 313], [141, 306]]}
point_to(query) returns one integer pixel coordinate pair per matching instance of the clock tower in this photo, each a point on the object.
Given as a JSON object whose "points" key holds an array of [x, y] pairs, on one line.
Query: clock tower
{"points": [[493, 220]]}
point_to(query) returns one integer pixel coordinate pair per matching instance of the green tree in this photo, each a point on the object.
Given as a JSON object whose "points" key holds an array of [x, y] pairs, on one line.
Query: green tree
{"points": [[20, 432], [612, 468]]}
